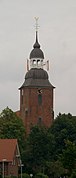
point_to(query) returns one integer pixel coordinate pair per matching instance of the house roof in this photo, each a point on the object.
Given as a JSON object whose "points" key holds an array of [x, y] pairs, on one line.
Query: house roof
{"points": [[7, 149]]}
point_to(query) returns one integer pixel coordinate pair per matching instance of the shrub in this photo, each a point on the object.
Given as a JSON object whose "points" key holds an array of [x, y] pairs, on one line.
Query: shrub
{"points": [[10, 176], [41, 175], [73, 175], [24, 175]]}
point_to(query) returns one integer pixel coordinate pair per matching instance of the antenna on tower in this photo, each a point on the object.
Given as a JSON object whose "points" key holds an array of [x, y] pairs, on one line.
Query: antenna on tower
{"points": [[27, 65]]}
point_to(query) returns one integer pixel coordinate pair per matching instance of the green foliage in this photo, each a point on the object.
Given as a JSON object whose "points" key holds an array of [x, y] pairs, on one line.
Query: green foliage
{"points": [[45, 151], [11, 176], [73, 175], [41, 175], [44, 147], [54, 169], [11, 126], [63, 128], [24, 175], [38, 149], [69, 156]]}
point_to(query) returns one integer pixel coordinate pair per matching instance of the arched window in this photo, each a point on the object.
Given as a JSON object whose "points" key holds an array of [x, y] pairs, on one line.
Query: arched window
{"points": [[22, 96], [39, 120], [38, 62], [34, 62], [39, 98]]}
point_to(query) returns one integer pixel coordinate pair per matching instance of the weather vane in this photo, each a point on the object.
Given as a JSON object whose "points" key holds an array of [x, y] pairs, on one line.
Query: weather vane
{"points": [[36, 25]]}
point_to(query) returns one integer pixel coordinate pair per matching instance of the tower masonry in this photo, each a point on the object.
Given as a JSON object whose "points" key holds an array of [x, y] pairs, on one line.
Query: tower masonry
{"points": [[36, 93]]}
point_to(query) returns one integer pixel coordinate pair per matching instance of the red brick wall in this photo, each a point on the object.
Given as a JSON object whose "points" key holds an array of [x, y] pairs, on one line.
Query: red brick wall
{"points": [[9, 169], [31, 110], [13, 169]]}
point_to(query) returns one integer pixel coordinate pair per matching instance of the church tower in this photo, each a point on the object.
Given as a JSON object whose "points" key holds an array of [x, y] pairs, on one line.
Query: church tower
{"points": [[36, 93]]}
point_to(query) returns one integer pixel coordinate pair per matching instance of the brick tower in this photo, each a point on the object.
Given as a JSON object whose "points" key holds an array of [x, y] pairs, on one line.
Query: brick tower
{"points": [[36, 93]]}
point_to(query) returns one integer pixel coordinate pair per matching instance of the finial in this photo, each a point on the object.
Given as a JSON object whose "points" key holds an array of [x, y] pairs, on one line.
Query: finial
{"points": [[36, 45], [36, 24]]}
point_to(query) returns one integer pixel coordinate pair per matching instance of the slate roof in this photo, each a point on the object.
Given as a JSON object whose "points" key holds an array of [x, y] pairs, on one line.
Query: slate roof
{"points": [[36, 77]]}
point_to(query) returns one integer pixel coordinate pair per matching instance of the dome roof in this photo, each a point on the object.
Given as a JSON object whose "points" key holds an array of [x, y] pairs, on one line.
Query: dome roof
{"points": [[36, 77], [36, 52], [36, 73]]}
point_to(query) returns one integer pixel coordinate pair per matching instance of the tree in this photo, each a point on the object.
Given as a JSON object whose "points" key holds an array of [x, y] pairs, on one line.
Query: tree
{"points": [[39, 149], [73, 175], [47, 145], [11, 126], [41, 175], [63, 128], [69, 157], [54, 169]]}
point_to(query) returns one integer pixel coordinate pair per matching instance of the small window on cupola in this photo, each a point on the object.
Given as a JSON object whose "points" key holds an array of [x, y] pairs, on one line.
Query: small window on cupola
{"points": [[34, 62], [38, 62]]}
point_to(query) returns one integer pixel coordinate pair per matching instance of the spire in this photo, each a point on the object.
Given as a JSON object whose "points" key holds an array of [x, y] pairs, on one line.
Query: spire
{"points": [[36, 45], [36, 54]]}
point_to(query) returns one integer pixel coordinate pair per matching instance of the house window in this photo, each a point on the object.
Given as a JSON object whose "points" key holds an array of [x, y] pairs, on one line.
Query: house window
{"points": [[14, 162]]}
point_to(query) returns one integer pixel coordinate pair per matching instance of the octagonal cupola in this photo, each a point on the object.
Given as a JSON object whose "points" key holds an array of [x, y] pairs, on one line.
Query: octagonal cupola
{"points": [[36, 55]]}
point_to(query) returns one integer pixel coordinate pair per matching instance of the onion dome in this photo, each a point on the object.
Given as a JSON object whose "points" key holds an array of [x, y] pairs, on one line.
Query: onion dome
{"points": [[36, 74], [36, 52]]}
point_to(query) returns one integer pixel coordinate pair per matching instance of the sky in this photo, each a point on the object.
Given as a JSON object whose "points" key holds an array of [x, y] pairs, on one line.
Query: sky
{"points": [[57, 37]]}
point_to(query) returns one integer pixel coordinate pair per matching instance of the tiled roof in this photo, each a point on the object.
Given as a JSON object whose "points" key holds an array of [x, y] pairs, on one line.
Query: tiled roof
{"points": [[7, 149]]}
